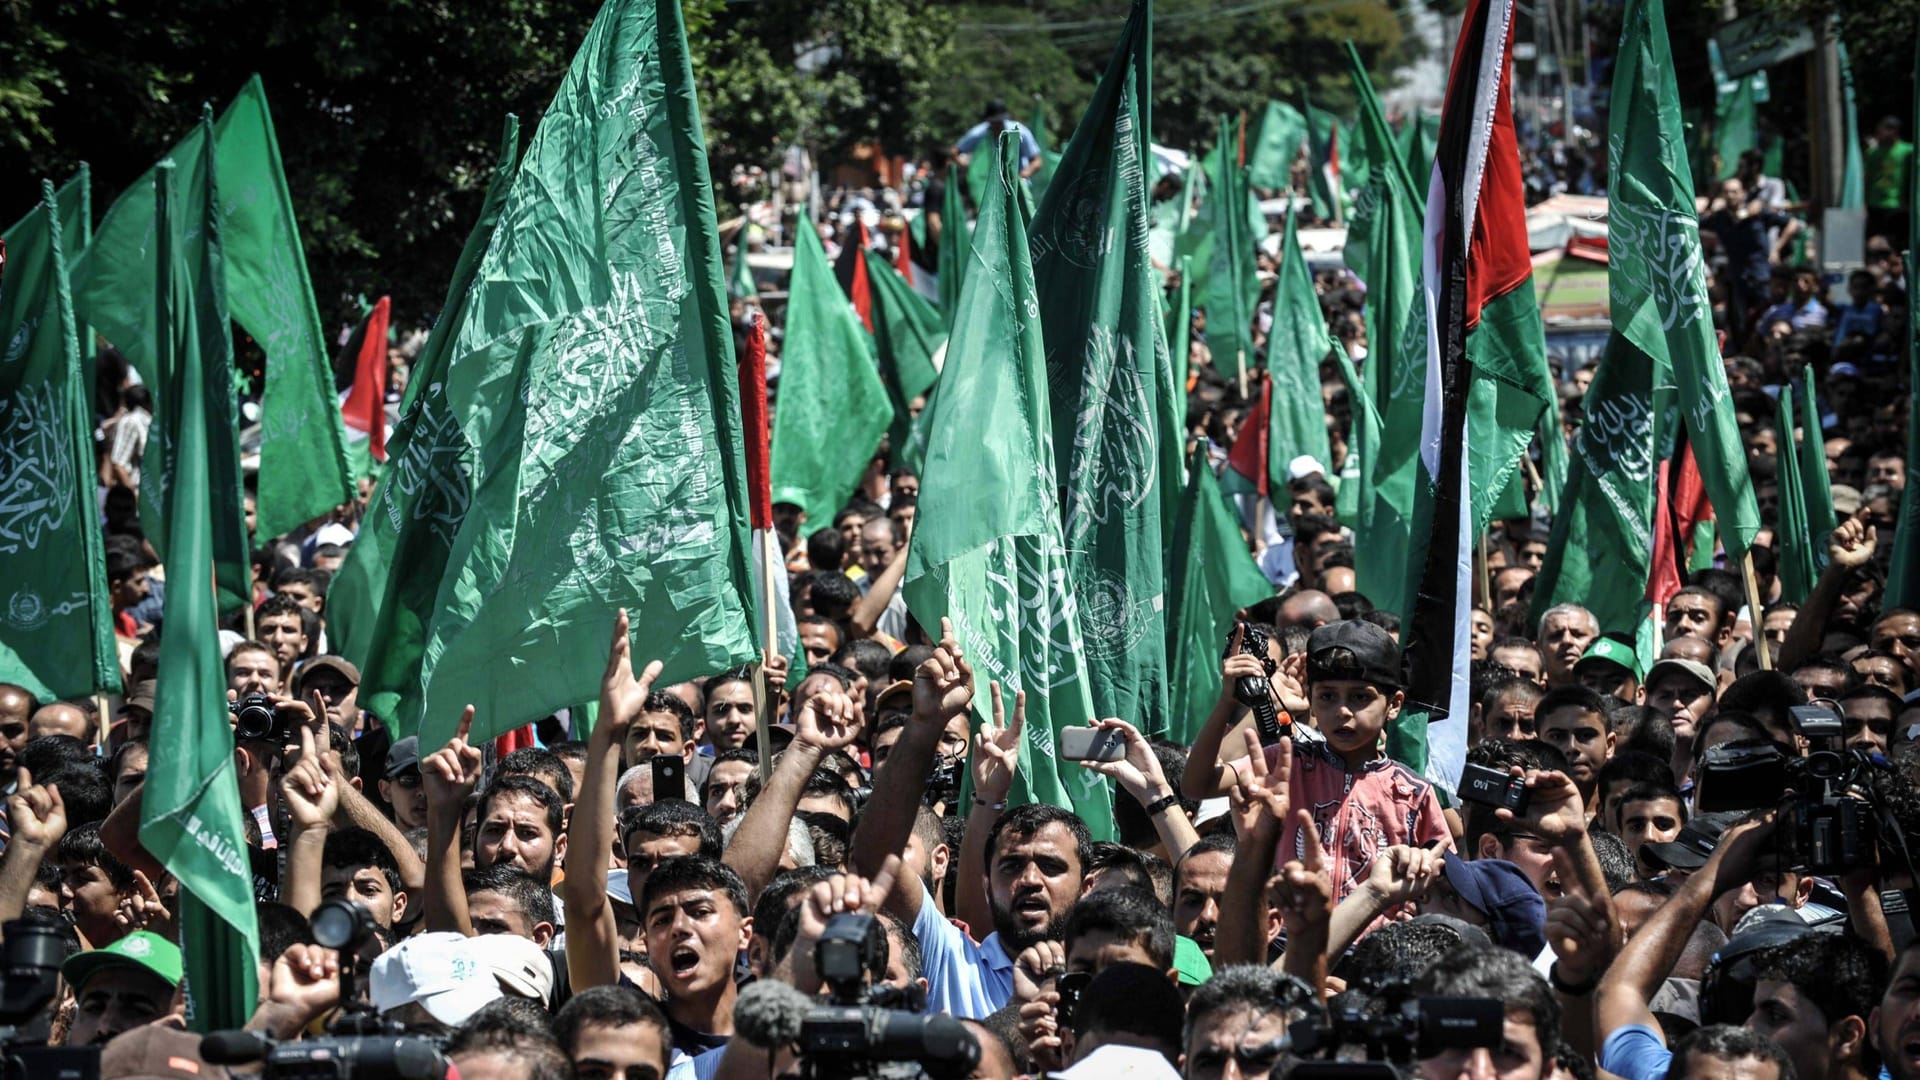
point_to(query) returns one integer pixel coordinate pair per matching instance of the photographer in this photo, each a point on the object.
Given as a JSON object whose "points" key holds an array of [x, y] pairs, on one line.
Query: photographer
{"points": [[1531, 1027]]}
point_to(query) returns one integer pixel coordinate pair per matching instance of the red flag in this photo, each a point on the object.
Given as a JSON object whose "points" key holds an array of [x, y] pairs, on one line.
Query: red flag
{"points": [[365, 409], [903, 256], [1679, 506], [851, 270], [1248, 457], [753, 415]]}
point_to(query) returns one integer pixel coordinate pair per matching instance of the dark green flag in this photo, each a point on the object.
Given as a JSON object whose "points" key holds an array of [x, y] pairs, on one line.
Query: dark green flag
{"points": [[1297, 420], [1798, 564], [1813, 464], [832, 409], [1180, 334], [592, 366], [1213, 577], [740, 281], [1233, 276], [956, 249], [56, 625], [1270, 159], [988, 552], [908, 336], [190, 816], [1049, 161], [382, 601], [1116, 451]]}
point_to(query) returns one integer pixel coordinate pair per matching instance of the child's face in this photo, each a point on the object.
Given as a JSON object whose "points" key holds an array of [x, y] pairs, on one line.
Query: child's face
{"points": [[1351, 713]]}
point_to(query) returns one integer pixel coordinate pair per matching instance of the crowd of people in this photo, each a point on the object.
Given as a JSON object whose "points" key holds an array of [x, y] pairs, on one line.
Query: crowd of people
{"points": [[1693, 869]]}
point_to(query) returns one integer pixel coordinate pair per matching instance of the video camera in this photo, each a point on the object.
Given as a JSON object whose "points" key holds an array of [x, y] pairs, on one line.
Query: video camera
{"points": [[1830, 817], [869, 1030], [1391, 1027], [359, 1043], [32, 956]]}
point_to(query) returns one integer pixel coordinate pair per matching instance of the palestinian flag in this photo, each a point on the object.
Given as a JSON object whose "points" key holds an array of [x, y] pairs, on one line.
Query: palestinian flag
{"points": [[1486, 377], [851, 271], [365, 409], [767, 558], [1247, 468], [903, 255], [1680, 507]]}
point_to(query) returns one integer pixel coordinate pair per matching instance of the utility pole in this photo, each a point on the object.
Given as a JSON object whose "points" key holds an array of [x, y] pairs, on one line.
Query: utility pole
{"points": [[1829, 129]]}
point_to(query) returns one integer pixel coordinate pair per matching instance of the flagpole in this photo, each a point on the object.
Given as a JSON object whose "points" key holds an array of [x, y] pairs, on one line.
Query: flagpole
{"points": [[762, 683], [1483, 574], [1753, 606]]}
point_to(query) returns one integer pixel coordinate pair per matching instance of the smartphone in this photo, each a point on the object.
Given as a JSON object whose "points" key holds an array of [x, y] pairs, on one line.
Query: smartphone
{"points": [[1069, 986], [1092, 744], [669, 777], [1493, 787]]}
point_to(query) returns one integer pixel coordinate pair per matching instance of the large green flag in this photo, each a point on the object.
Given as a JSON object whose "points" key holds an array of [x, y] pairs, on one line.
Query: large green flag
{"points": [[1297, 421], [1657, 280], [1798, 563], [382, 601], [833, 408], [56, 626], [592, 365], [190, 816], [988, 553], [1853, 172], [1270, 161], [1233, 280], [1118, 443], [1384, 248], [908, 334], [1418, 137], [1903, 573], [955, 244], [1213, 577], [303, 462], [1601, 550]]}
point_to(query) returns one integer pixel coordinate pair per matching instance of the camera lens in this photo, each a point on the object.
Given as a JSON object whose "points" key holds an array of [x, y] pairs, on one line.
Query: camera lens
{"points": [[340, 924]]}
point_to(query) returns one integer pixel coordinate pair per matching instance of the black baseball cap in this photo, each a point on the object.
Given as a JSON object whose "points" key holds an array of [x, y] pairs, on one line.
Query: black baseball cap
{"points": [[1352, 649], [1694, 846]]}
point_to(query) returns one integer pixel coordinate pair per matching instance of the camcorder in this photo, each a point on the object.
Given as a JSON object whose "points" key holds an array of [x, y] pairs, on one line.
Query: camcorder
{"points": [[1379, 1034], [358, 1044], [1256, 692], [32, 956], [870, 1029], [1831, 819]]}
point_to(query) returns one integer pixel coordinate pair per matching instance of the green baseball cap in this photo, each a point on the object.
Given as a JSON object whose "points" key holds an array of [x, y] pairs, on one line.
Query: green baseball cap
{"points": [[142, 949], [1613, 652], [1190, 965]]}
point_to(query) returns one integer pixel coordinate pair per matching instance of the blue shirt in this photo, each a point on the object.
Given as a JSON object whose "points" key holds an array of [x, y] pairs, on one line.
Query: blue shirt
{"points": [[1635, 1052], [1029, 146], [964, 979]]}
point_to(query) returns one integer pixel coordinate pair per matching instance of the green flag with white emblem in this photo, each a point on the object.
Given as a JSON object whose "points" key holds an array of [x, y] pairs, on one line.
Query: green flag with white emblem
{"points": [[1297, 420], [1213, 577]]}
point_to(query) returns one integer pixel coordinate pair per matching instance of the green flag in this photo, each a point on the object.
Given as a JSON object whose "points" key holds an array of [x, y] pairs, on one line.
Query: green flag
{"points": [[1736, 127], [1657, 280], [1384, 248], [1903, 573], [1117, 447], [1233, 281], [740, 281], [592, 365], [1798, 563], [832, 408], [1180, 335], [190, 816], [56, 626], [1270, 161], [382, 600], [1049, 161], [303, 461], [955, 246], [1213, 577], [1325, 146], [1297, 421], [1380, 564], [1813, 465], [1853, 173], [1418, 137], [908, 335], [988, 553]]}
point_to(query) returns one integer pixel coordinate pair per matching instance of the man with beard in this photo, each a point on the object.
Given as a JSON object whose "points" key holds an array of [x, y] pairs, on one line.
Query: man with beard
{"points": [[1199, 880], [1022, 868], [119, 988]]}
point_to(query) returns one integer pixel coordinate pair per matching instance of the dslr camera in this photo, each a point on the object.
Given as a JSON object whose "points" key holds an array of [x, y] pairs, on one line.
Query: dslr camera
{"points": [[255, 719], [32, 956], [1829, 814], [869, 1030]]}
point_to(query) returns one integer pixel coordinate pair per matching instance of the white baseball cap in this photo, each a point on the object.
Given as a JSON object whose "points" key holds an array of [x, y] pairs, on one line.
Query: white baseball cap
{"points": [[521, 966], [443, 971]]}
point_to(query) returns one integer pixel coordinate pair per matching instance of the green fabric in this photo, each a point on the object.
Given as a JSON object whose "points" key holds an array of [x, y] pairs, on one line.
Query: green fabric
{"points": [[1385, 248], [116, 288], [988, 553], [593, 368], [1889, 172], [1270, 160], [382, 600], [56, 624], [740, 280], [955, 245], [1233, 276], [190, 815], [1325, 187], [1813, 465], [832, 409], [1903, 572], [908, 333], [1601, 550], [1736, 125], [1298, 342], [1213, 577], [1798, 567], [1117, 435], [303, 463], [1049, 161], [1418, 138], [1180, 336], [1511, 389], [1853, 192], [1657, 283]]}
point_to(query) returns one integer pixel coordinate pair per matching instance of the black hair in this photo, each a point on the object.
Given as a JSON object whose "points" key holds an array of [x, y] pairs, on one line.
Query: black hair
{"points": [[1575, 696], [826, 549], [785, 892], [1767, 695], [1397, 952], [1502, 975], [1616, 862], [1352, 605], [1251, 987], [833, 595], [281, 604], [1637, 767], [84, 789], [574, 749], [744, 753], [1725, 586], [1129, 913], [839, 632], [82, 846], [1500, 689], [301, 575], [1385, 620], [672, 817], [528, 893], [1652, 735], [694, 872], [1729, 1043], [532, 788], [126, 556], [356, 849], [50, 753], [613, 1007], [541, 764], [1135, 999], [868, 657], [825, 783], [661, 701], [1025, 820], [281, 928], [1841, 975], [516, 1028], [846, 677], [905, 662]]}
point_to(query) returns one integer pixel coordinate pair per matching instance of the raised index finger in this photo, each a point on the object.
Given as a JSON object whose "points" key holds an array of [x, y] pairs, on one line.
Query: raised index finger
{"points": [[1312, 855], [466, 724]]}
